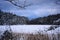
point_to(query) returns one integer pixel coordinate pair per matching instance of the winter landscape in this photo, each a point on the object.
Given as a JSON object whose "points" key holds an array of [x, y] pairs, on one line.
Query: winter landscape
{"points": [[29, 19], [30, 32]]}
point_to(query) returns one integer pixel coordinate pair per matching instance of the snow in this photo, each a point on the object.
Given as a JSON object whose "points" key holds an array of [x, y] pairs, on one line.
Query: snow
{"points": [[25, 28], [29, 28], [56, 31]]}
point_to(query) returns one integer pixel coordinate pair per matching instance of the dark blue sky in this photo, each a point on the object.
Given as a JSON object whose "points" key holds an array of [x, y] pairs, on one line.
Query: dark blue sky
{"points": [[39, 8]]}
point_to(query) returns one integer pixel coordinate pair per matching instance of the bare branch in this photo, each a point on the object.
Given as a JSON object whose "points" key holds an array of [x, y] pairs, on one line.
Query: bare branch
{"points": [[24, 4], [57, 2], [15, 4]]}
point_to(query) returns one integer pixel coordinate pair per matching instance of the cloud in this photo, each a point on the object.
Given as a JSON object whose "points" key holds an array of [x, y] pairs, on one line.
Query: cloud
{"points": [[42, 8], [45, 11]]}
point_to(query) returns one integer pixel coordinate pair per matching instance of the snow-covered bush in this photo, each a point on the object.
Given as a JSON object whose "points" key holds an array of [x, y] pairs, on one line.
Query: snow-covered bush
{"points": [[6, 35]]}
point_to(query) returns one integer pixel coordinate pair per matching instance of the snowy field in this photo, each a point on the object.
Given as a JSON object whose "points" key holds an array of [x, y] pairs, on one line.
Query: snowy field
{"points": [[26, 28], [29, 29]]}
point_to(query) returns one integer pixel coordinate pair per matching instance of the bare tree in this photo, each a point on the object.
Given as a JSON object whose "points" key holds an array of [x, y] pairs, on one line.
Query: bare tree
{"points": [[19, 3]]}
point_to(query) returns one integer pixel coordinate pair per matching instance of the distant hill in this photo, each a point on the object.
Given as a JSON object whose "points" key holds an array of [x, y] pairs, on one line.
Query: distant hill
{"points": [[12, 19], [48, 20]]}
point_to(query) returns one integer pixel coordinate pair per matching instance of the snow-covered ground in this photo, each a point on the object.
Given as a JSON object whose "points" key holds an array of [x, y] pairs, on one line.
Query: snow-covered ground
{"points": [[27, 28], [57, 30], [24, 28]]}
